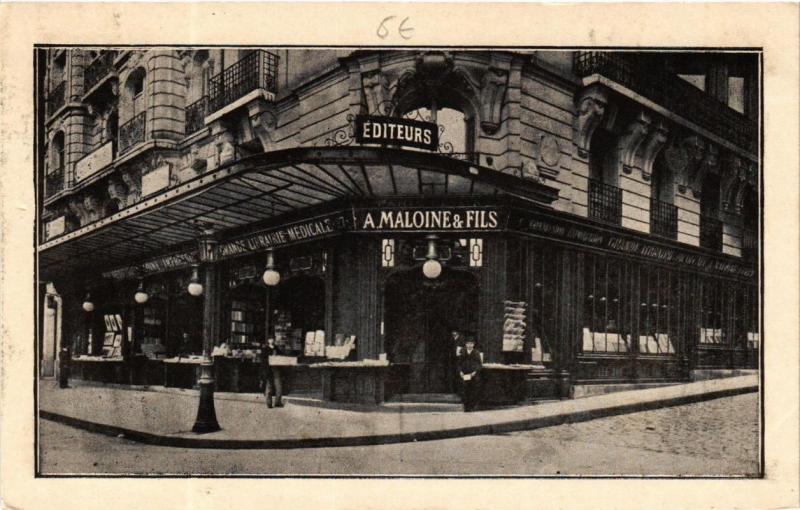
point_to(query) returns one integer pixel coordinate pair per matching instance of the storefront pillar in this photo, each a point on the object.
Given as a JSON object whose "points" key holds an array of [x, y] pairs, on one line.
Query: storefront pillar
{"points": [[206, 420]]}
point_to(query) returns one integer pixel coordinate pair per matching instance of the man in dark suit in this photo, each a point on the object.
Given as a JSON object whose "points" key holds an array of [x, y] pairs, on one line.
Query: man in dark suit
{"points": [[273, 379], [469, 368]]}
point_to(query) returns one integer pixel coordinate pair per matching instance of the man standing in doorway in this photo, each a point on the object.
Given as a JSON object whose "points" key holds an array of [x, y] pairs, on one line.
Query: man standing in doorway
{"points": [[469, 367], [456, 346]]}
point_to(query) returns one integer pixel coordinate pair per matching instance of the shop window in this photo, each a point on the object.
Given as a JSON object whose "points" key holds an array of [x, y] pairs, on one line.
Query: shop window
{"points": [[603, 307], [298, 315], [657, 311], [750, 313], [711, 310], [542, 302], [247, 316], [151, 338], [185, 334]]}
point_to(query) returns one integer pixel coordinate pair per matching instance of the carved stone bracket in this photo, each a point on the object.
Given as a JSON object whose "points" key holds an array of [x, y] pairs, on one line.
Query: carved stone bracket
{"points": [[750, 171], [628, 144], [695, 169], [733, 176], [117, 192], [651, 148], [591, 107], [263, 123], [493, 88], [376, 90], [133, 180]]}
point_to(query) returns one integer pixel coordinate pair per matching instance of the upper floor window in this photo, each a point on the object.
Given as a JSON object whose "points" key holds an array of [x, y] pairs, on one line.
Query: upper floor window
{"points": [[58, 69], [57, 152], [698, 80], [134, 91], [736, 93]]}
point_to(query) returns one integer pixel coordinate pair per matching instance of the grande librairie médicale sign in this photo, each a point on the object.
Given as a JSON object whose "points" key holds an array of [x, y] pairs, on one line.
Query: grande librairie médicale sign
{"points": [[396, 131]]}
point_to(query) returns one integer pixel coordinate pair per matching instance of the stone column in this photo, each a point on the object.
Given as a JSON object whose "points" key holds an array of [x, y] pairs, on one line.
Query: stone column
{"points": [[166, 88]]}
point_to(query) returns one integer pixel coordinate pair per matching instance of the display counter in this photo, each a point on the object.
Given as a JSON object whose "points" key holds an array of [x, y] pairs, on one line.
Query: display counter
{"points": [[182, 372], [359, 382], [505, 384], [100, 369]]}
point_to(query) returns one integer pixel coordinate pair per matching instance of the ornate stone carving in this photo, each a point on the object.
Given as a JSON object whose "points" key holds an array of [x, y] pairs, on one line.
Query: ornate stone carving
{"points": [[133, 181], [94, 207], [549, 150], [733, 174], [591, 107], [655, 142], [264, 124], [750, 181], [376, 90], [628, 144], [676, 158], [493, 88], [117, 193]]}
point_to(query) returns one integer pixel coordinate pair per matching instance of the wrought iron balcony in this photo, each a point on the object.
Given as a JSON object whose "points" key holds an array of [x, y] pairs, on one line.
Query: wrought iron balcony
{"points": [[256, 70], [749, 244], [663, 219], [671, 92], [54, 182], [710, 233], [605, 202], [98, 69], [195, 114], [56, 98], [132, 133]]}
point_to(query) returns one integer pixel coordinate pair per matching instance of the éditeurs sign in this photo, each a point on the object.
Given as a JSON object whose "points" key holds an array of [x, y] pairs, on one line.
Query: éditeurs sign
{"points": [[396, 131]]}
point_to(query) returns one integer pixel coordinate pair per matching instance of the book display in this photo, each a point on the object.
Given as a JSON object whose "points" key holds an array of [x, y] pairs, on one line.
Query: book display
{"points": [[112, 339], [514, 325], [152, 332], [247, 321]]}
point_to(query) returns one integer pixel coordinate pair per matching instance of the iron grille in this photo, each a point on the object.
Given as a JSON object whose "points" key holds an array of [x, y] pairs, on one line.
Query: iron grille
{"points": [[98, 69], [710, 233], [54, 182], [605, 202], [749, 244], [663, 219], [56, 98], [671, 92], [132, 132], [256, 70], [195, 114]]}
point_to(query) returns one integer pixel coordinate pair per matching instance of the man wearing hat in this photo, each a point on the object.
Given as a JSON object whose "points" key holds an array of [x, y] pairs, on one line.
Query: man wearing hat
{"points": [[469, 367]]}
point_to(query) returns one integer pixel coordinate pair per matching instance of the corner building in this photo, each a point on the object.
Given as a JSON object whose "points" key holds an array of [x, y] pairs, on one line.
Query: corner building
{"points": [[588, 216]]}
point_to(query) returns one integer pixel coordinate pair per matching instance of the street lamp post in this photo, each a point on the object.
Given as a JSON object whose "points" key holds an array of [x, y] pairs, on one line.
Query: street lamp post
{"points": [[206, 420]]}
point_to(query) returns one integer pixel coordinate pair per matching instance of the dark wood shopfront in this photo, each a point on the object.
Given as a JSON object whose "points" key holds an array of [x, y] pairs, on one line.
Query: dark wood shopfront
{"points": [[419, 316]]}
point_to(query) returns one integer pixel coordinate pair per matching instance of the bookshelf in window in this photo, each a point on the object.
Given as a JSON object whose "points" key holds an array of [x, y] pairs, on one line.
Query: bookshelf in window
{"points": [[247, 321], [152, 332]]}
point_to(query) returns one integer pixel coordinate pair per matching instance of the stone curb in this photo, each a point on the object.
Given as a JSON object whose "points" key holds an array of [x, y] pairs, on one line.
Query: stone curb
{"points": [[403, 437]]}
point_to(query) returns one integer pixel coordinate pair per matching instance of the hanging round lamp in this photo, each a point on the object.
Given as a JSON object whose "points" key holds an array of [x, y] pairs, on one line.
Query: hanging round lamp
{"points": [[195, 288], [271, 276], [432, 268], [141, 295], [88, 304]]}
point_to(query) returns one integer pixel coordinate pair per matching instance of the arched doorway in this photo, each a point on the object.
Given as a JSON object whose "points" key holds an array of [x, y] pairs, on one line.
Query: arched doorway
{"points": [[419, 315]]}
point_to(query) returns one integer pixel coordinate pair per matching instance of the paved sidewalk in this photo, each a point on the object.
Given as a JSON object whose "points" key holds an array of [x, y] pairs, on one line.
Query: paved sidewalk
{"points": [[166, 417]]}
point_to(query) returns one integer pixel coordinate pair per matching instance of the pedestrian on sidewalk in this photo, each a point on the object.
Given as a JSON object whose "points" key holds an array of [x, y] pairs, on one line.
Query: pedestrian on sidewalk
{"points": [[469, 367], [273, 379]]}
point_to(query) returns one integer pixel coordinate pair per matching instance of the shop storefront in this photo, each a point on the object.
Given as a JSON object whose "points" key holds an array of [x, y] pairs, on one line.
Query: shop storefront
{"points": [[363, 291]]}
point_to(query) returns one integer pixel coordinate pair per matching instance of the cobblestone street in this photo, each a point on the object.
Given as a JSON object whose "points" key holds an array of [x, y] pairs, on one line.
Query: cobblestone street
{"points": [[717, 437], [725, 428]]}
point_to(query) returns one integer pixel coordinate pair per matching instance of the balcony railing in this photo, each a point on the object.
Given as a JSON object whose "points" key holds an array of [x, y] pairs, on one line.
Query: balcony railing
{"points": [[54, 182], [671, 92], [749, 244], [56, 98], [710, 233], [132, 133], [663, 219], [98, 69], [256, 70], [605, 202], [195, 114]]}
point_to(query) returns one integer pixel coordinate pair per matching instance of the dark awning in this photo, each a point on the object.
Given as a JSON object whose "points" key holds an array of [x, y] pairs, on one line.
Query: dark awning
{"points": [[265, 186]]}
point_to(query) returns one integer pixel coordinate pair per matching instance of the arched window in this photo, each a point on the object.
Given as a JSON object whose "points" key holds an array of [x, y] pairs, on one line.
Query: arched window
{"points": [[134, 92], [605, 198], [456, 129], [197, 75], [57, 153], [663, 213], [663, 189]]}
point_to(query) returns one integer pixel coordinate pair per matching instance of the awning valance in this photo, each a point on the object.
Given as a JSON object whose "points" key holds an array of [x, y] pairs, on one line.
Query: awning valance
{"points": [[266, 186]]}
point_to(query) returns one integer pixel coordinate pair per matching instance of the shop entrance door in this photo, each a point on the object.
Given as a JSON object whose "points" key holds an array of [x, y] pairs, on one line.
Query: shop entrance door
{"points": [[419, 316]]}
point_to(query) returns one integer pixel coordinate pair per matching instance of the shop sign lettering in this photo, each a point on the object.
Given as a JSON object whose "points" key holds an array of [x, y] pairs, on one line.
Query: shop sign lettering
{"points": [[629, 246], [155, 265], [285, 235], [393, 131], [429, 219]]}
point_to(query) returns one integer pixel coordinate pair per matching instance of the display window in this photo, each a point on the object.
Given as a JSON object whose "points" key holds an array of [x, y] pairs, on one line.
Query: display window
{"points": [[603, 309], [658, 310], [711, 313], [185, 328], [298, 315]]}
